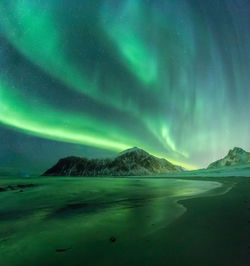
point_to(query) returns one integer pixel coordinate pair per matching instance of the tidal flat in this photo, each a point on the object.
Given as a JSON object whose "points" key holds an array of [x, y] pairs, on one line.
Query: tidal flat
{"points": [[125, 221]]}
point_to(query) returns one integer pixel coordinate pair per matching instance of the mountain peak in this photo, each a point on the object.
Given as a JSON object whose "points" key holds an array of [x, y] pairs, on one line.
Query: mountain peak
{"points": [[131, 162], [236, 150], [235, 156], [133, 150]]}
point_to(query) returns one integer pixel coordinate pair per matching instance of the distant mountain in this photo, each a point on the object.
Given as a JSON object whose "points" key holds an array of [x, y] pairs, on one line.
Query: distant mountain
{"points": [[131, 162], [235, 156]]}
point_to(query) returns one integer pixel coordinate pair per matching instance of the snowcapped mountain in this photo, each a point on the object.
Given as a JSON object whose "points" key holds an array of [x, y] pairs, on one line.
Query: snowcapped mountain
{"points": [[235, 156], [131, 162]]}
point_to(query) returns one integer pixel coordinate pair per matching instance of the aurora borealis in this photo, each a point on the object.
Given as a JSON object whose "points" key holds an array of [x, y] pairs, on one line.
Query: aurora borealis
{"points": [[171, 77]]}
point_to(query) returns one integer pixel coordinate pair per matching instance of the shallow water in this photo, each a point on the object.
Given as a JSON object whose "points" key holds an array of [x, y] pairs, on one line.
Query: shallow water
{"points": [[69, 221]]}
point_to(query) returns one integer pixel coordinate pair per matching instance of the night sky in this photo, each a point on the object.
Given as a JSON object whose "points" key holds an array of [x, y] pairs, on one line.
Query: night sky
{"points": [[92, 78]]}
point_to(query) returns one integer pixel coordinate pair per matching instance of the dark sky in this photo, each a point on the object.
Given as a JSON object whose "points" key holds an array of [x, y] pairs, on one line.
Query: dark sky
{"points": [[92, 78]]}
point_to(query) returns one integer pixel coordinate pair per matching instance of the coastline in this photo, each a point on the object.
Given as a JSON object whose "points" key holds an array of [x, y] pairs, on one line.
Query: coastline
{"points": [[153, 220], [215, 226]]}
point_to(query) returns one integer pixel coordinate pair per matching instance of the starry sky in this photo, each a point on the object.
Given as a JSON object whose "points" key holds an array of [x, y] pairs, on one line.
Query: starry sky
{"points": [[92, 78]]}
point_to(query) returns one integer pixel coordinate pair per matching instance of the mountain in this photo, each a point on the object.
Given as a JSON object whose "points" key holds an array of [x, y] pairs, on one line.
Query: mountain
{"points": [[131, 162], [235, 156]]}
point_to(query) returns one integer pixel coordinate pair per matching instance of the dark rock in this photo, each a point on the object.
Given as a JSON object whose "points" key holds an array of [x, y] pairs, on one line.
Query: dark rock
{"points": [[112, 239], [132, 162], [16, 187], [25, 185], [63, 249]]}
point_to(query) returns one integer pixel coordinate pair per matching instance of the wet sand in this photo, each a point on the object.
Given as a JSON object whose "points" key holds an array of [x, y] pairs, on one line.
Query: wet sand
{"points": [[126, 222], [216, 229]]}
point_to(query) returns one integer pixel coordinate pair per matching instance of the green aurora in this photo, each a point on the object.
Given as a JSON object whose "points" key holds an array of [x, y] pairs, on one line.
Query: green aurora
{"points": [[170, 77]]}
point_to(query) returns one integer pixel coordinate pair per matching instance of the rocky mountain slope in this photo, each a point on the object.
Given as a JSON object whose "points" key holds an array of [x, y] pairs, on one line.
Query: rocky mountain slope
{"points": [[132, 162], [235, 156]]}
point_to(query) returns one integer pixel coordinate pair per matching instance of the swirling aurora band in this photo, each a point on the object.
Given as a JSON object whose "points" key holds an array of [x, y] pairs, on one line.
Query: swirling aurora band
{"points": [[170, 77]]}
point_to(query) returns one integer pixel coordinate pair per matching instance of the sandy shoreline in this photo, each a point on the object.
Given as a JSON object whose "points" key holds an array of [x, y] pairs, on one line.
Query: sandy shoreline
{"points": [[152, 220]]}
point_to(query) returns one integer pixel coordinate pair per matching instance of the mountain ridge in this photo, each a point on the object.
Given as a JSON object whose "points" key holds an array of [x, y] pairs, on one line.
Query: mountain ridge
{"points": [[235, 156], [131, 162]]}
